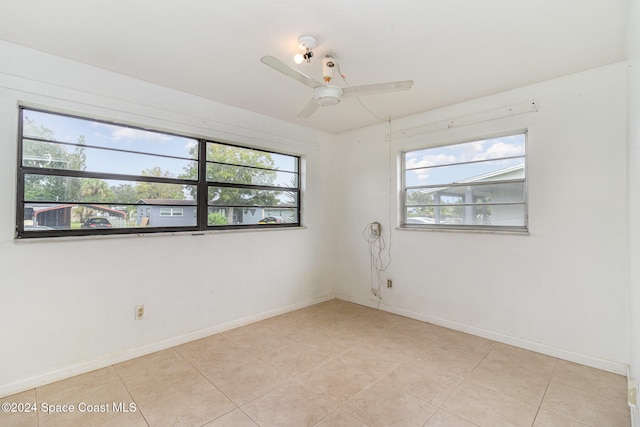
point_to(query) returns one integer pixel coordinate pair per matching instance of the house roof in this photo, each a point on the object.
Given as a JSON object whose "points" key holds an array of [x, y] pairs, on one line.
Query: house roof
{"points": [[478, 179], [39, 209], [494, 174]]}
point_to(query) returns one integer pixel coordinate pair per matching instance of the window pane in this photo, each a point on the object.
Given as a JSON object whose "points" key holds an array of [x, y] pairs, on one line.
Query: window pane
{"points": [[50, 188], [486, 149], [283, 162], [230, 215], [478, 183], [52, 216], [228, 154], [56, 156], [55, 127], [494, 170], [512, 192], [480, 214], [83, 174], [160, 213], [225, 196], [250, 176]]}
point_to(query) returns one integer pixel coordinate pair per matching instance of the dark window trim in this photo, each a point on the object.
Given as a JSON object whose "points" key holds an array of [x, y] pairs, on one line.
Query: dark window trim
{"points": [[201, 184]]}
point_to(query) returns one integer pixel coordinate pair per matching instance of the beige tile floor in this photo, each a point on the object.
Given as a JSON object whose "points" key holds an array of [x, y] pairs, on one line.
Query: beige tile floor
{"points": [[335, 364]]}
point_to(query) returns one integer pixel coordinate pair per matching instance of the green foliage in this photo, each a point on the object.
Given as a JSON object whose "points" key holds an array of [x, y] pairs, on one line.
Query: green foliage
{"points": [[156, 190], [125, 193], [225, 164], [216, 218], [235, 165], [52, 156], [420, 198], [96, 190]]}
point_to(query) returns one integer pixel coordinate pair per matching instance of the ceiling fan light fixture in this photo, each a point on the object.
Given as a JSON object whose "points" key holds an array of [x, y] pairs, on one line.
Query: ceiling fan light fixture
{"points": [[306, 43], [327, 95]]}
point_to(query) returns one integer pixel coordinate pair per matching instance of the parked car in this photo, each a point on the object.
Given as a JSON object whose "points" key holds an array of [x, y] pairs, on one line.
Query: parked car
{"points": [[97, 222], [272, 220]]}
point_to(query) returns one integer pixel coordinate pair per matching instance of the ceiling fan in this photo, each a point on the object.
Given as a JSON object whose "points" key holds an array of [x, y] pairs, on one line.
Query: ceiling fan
{"points": [[325, 94]]}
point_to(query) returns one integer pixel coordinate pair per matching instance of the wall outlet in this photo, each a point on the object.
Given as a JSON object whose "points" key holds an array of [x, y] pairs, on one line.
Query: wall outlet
{"points": [[375, 228], [139, 312], [389, 283]]}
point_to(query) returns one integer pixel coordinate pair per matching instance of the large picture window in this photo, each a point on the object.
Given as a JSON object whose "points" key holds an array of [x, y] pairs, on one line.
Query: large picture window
{"points": [[477, 185], [80, 176]]}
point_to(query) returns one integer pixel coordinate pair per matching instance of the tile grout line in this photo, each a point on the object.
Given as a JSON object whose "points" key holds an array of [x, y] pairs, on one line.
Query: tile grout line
{"points": [[209, 381], [555, 366]]}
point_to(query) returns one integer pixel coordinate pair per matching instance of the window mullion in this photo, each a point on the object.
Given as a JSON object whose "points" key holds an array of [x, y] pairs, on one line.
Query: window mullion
{"points": [[203, 188]]}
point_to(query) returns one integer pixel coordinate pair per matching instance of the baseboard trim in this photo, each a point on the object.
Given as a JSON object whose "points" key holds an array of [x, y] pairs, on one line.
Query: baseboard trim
{"points": [[92, 365], [582, 359]]}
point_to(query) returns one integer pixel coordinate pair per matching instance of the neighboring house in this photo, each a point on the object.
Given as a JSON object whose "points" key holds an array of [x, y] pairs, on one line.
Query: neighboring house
{"points": [[475, 196], [166, 213], [169, 212], [255, 214]]}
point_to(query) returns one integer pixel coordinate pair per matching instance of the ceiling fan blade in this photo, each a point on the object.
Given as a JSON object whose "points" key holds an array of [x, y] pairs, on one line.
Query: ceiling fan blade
{"points": [[278, 65], [377, 88], [308, 109]]}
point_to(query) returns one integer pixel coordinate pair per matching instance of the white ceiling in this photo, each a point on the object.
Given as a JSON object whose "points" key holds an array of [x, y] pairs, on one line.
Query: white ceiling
{"points": [[454, 50]]}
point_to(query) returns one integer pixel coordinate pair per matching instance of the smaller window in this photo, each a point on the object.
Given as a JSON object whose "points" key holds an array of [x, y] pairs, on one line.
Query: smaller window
{"points": [[171, 212], [479, 185]]}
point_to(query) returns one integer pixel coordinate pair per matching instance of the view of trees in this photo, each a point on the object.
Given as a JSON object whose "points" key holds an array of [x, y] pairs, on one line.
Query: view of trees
{"points": [[228, 164], [45, 155], [228, 197], [63, 189], [420, 198], [449, 209], [156, 190]]}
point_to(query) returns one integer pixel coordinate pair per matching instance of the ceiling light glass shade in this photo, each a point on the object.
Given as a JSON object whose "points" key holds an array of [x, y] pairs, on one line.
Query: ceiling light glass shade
{"points": [[327, 100], [298, 58], [327, 95]]}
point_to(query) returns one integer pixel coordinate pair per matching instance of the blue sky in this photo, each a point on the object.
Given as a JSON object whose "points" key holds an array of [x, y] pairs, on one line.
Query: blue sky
{"points": [[97, 134], [490, 154]]}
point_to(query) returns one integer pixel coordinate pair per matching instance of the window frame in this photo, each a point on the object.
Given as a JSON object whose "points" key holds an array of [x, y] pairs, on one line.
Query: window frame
{"points": [[173, 211], [200, 184], [514, 229]]}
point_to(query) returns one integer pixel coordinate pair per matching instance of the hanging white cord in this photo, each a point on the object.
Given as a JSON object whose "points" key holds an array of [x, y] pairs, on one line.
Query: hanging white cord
{"points": [[378, 266], [361, 103], [376, 242]]}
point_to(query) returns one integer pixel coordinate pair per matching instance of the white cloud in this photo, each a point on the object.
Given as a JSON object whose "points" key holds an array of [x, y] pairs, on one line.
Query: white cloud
{"points": [[129, 133], [472, 151], [422, 176], [429, 160], [501, 149]]}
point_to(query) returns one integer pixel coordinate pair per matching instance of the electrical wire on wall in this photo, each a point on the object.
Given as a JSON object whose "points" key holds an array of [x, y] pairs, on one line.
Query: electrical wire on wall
{"points": [[344, 79], [372, 233]]}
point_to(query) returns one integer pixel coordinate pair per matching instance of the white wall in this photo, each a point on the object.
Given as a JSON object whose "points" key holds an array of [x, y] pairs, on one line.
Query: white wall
{"points": [[562, 289], [633, 115], [67, 305]]}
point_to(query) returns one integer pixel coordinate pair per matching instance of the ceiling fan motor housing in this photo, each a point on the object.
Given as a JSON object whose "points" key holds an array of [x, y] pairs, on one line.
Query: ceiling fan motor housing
{"points": [[327, 95]]}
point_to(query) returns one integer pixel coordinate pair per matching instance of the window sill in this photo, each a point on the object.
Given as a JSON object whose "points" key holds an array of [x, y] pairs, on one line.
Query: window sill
{"points": [[152, 235], [466, 231]]}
